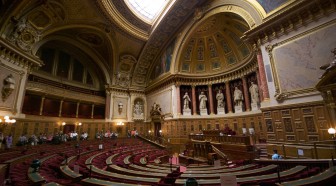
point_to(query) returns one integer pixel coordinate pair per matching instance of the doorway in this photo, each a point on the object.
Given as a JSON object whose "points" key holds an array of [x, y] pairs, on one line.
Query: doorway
{"points": [[157, 128], [68, 128]]}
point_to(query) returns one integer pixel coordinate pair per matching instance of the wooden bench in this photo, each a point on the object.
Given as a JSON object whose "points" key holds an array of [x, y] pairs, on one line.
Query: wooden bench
{"points": [[35, 177], [99, 182], [127, 160], [108, 160], [313, 180], [123, 176], [66, 171], [122, 170], [51, 184], [238, 173], [286, 173]]}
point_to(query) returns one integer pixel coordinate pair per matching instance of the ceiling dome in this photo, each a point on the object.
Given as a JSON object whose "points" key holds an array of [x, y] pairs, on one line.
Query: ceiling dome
{"points": [[215, 46]]}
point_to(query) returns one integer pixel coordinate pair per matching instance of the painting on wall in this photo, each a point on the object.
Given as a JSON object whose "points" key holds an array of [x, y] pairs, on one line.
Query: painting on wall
{"points": [[270, 5], [164, 62], [298, 59]]}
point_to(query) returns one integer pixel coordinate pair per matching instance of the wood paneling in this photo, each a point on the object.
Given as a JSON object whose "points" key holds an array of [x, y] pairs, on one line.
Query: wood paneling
{"points": [[297, 123]]}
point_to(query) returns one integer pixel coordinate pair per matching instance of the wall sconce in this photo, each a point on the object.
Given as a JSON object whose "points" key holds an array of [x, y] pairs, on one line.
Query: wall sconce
{"points": [[63, 123], [7, 121], [79, 124], [149, 131], [120, 107], [120, 123], [332, 132]]}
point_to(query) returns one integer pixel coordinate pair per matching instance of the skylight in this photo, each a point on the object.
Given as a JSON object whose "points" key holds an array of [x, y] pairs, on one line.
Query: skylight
{"points": [[147, 9]]}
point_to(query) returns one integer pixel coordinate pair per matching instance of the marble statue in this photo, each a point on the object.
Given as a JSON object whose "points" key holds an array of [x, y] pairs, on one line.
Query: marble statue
{"points": [[186, 100], [202, 99], [254, 91], [220, 99], [238, 97]]}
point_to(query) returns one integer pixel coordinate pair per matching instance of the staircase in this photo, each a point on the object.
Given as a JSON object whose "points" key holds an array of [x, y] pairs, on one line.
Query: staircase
{"points": [[262, 150]]}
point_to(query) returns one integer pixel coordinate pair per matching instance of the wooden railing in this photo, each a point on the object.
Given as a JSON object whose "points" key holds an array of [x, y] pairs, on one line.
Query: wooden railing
{"points": [[245, 140], [220, 153], [315, 150], [285, 164]]}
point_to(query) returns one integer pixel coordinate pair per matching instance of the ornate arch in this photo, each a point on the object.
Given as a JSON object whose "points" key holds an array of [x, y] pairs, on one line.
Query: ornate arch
{"points": [[249, 12]]}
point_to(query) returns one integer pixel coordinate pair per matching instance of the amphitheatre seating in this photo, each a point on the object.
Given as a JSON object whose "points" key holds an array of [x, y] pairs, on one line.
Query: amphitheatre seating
{"points": [[210, 169], [325, 178], [70, 173], [124, 178], [35, 177], [122, 170], [251, 179], [163, 167], [99, 182], [51, 184], [224, 169], [261, 170], [108, 160]]}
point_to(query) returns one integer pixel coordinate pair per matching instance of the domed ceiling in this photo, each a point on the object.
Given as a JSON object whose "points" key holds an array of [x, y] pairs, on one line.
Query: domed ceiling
{"points": [[215, 46]]}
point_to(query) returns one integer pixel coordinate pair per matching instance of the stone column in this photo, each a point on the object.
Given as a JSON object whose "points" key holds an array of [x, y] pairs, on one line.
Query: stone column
{"points": [[211, 100], [77, 109], [259, 85], [41, 106], [246, 95], [60, 109], [92, 111], [108, 105], [193, 97], [228, 96], [262, 74], [178, 98]]}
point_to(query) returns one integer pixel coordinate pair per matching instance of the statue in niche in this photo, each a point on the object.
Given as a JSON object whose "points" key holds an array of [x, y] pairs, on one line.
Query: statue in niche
{"points": [[138, 110], [186, 101], [254, 91], [8, 87], [238, 97], [220, 99], [202, 99]]}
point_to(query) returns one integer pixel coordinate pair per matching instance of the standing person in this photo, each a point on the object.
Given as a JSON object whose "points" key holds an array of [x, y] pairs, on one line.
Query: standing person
{"points": [[9, 141], [186, 100], [254, 91], [1, 139], [202, 99]]}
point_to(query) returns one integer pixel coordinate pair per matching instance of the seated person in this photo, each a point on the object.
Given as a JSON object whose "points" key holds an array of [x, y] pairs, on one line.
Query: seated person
{"points": [[276, 156]]}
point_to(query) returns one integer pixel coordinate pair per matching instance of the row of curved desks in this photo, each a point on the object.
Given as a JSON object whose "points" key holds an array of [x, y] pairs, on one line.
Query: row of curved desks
{"points": [[286, 173]]}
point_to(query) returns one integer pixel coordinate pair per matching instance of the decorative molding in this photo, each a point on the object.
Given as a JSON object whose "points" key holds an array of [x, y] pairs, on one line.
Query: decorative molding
{"points": [[18, 57], [267, 114], [192, 80], [297, 14]]}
